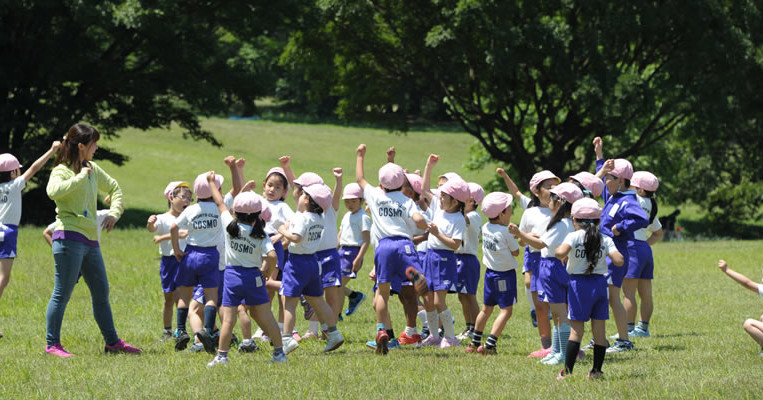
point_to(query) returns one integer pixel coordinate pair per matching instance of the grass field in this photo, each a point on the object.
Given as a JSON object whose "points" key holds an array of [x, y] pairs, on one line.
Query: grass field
{"points": [[698, 348]]}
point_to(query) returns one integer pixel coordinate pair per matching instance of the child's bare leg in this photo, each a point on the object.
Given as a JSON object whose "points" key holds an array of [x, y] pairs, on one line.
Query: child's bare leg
{"points": [[500, 321], [618, 311], [264, 318], [322, 309], [647, 304], [167, 309], [226, 330], [629, 302], [289, 318], [246, 323], [5, 273], [754, 328]]}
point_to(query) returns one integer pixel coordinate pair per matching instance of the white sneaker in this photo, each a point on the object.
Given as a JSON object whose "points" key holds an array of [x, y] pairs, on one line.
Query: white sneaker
{"points": [[218, 360], [556, 360], [289, 344], [258, 334], [333, 341]]}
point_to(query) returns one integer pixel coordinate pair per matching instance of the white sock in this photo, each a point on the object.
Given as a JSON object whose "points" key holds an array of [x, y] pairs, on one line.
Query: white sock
{"points": [[434, 319], [423, 317], [410, 330], [280, 326], [324, 326], [258, 334], [529, 295], [447, 324], [313, 327]]}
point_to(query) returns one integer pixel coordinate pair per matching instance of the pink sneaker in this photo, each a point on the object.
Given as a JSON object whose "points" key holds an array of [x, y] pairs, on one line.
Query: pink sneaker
{"points": [[122, 347], [431, 340], [539, 353], [58, 350], [309, 335], [296, 337], [449, 342]]}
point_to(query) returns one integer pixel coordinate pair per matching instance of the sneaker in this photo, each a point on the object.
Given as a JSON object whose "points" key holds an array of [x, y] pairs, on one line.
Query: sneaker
{"points": [[181, 341], [279, 358], [265, 339], [167, 335], [196, 347], [405, 339], [382, 342], [121, 347], [234, 342], [289, 344], [555, 360], [465, 334], [295, 336], [441, 333], [449, 342], [308, 309], [620, 346], [639, 332], [561, 376], [424, 333], [534, 318], [333, 341], [431, 340], [540, 353], [218, 360], [310, 336], [206, 340], [392, 345], [548, 357], [581, 355], [594, 375], [470, 348], [487, 351], [248, 346], [590, 345], [355, 303], [58, 350], [258, 334]]}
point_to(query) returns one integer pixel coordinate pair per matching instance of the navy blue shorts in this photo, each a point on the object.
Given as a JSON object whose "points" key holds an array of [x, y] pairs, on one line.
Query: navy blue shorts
{"points": [[616, 274], [468, 270], [200, 266], [553, 281], [500, 288], [198, 294], [392, 257], [168, 269], [244, 286], [8, 243], [441, 270], [588, 298], [331, 267], [640, 260], [531, 264], [301, 276], [347, 255], [280, 254]]}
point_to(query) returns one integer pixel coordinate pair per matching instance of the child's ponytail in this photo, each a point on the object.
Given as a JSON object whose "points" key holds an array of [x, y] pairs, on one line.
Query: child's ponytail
{"points": [[591, 242], [653, 213], [258, 225]]}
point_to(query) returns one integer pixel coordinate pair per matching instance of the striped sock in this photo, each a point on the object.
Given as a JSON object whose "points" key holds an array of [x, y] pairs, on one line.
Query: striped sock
{"points": [[564, 337], [555, 348], [491, 342], [631, 325], [476, 338], [643, 325]]}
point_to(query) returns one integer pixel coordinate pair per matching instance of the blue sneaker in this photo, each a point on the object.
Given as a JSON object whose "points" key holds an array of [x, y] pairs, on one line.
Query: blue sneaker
{"points": [[639, 332], [355, 303], [393, 344], [534, 318]]}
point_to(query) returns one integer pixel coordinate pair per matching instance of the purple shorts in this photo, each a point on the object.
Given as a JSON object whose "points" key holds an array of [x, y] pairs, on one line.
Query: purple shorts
{"points": [[200, 266], [468, 270], [640, 260], [553, 281], [198, 294], [616, 274], [500, 288], [441, 270], [8, 244], [168, 269], [301, 276], [280, 254], [393, 255], [331, 268], [531, 264], [588, 298], [244, 286], [347, 255]]}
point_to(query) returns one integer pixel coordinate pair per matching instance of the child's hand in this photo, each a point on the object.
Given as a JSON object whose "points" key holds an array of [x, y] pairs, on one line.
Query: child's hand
{"points": [[285, 161], [361, 151], [87, 170], [152, 219], [157, 239], [500, 171], [608, 166], [514, 229], [240, 163], [417, 172], [107, 199], [432, 160], [432, 228], [615, 231], [391, 154], [211, 176], [337, 173], [55, 146], [356, 264], [179, 256], [722, 265], [250, 185], [229, 161], [372, 275], [183, 233], [597, 144]]}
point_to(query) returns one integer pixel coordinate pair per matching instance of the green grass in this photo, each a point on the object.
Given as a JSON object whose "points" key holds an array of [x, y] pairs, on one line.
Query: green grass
{"points": [[698, 348]]}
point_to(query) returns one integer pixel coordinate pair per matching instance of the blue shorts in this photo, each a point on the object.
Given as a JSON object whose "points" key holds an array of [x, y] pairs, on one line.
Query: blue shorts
{"points": [[441, 270], [200, 266], [500, 288], [347, 255], [331, 268], [280, 254], [640, 260], [531, 265], [244, 286], [588, 298], [392, 257], [8, 244], [616, 274], [168, 269], [468, 270], [553, 281], [301, 276], [198, 294]]}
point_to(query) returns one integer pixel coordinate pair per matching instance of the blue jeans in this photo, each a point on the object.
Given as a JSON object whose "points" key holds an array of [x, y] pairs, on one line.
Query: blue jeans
{"points": [[72, 257]]}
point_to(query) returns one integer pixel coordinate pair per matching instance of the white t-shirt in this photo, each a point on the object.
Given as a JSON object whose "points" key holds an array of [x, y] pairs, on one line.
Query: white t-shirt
{"points": [[535, 220], [554, 237], [472, 234], [202, 221], [310, 227], [452, 225], [353, 226], [244, 251], [497, 246], [10, 201], [760, 289], [643, 233], [329, 237], [524, 201], [374, 235], [427, 215], [390, 211], [577, 263], [163, 224], [280, 212]]}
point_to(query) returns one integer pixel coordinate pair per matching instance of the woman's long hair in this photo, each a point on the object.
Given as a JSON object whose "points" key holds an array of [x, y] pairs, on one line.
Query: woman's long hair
{"points": [[69, 152]]}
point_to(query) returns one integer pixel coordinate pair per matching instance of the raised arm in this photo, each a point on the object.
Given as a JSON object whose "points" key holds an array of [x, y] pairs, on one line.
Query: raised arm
{"points": [[426, 184], [40, 162], [286, 165], [360, 177], [59, 186], [391, 154], [236, 173], [598, 144], [216, 195], [151, 223], [337, 195], [741, 279], [513, 189]]}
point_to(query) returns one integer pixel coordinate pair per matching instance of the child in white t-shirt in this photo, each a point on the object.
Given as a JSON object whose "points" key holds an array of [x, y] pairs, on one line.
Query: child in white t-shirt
{"points": [[354, 239]]}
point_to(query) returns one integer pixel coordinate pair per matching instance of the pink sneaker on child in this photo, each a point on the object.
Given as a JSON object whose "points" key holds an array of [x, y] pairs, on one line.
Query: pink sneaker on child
{"points": [[58, 350], [431, 340], [539, 353], [122, 347], [449, 342], [295, 336]]}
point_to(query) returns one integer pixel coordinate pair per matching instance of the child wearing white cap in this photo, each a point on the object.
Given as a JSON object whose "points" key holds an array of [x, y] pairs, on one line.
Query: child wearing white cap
{"points": [[354, 239], [12, 183], [498, 251], [586, 250]]}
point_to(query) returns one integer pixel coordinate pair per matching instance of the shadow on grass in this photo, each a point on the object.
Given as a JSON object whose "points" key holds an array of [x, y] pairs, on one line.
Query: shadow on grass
{"points": [[704, 229], [669, 347], [134, 218], [681, 334]]}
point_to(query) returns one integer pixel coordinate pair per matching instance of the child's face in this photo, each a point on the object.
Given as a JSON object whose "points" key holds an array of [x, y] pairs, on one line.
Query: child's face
{"points": [[555, 203], [181, 198], [408, 190], [352, 205], [297, 193], [15, 173], [613, 183], [449, 204], [273, 188], [303, 203], [470, 206], [543, 191], [505, 216]]}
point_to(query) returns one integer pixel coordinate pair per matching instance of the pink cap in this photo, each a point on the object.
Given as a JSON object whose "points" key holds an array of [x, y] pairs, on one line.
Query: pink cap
{"points": [[8, 162], [309, 178], [645, 180], [450, 175], [250, 203], [201, 186], [494, 203], [477, 192], [541, 176], [352, 191], [174, 185], [568, 191], [391, 176], [589, 181], [623, 169], [321, 194], [457, 189], [415, 181], [586, 209]]}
